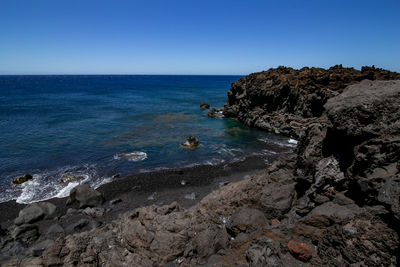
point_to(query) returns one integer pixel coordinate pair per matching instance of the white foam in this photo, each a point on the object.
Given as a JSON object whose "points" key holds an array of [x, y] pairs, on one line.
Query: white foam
{"points": [[288, 143], [47, 184], [29, 190], [131, 156], [64, 192], [292, 141]]}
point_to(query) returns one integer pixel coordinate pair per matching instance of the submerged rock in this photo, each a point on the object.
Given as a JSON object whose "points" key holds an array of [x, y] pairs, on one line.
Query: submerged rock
{"points": [[191, 142], [215, 113], [204, 105], [22, 179]]}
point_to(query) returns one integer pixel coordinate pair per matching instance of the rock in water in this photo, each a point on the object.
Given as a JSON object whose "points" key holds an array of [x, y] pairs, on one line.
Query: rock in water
{"points": [[191, 142], [85, 196], [35, 212], [22, 179], [204, 105], [215, 113], [71, 178]]}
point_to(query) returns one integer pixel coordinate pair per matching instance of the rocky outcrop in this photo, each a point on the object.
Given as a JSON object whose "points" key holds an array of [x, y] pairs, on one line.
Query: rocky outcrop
{"points": [[335, 202], [284, 100]]}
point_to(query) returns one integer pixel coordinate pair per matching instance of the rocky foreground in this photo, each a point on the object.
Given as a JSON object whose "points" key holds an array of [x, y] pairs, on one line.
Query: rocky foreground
{"points": [[334, 202]]}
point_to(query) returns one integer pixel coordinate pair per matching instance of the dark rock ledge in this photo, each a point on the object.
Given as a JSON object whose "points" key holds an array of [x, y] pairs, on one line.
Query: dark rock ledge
{"points": [[334, 202]]}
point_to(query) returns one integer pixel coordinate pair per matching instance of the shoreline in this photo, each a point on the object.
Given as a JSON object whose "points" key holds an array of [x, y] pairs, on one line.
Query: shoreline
{"points": [[157, 187]]}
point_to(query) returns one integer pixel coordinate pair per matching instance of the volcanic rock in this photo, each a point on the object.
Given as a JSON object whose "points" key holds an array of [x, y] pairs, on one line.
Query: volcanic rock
{"points": [[191, 142], [204, 105], [35, 212], [22, 179], [300, 250], [85, 196]]}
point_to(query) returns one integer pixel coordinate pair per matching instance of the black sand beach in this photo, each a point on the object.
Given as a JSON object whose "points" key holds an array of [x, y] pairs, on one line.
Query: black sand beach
{"points": [[187, 186]]}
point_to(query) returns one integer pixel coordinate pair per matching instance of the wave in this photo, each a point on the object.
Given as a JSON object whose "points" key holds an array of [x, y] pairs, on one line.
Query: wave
{"points": [[49, 184], [282, 143], [131, 156]]}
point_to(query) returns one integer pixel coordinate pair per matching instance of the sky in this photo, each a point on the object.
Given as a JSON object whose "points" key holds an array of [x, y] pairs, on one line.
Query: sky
{"points": [[195, 37]]}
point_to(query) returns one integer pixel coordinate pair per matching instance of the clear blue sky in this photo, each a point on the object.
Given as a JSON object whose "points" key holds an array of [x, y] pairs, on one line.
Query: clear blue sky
{"points": [[195, 37]]}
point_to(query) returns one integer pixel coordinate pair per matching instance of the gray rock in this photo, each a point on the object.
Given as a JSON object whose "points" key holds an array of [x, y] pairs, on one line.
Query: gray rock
{"points": [[37, 249], [277, 199], [93, 212], [82, 225], [390, 194], [333, 210], [85, 196], [264, 251], [327, 173], [208, 241], [35, 212], [247, 220], [55, 231], [26, 233]]}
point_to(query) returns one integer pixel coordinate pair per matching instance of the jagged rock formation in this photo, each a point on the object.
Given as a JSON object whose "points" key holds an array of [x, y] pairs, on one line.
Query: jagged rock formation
{"points": [[335, 202], [283, 100]]}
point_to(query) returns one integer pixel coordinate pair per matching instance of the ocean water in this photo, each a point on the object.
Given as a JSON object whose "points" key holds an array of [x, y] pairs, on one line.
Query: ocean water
{"points": [[99, 125]]}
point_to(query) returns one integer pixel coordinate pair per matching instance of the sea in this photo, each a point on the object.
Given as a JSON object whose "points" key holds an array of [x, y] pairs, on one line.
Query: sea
{"points": [[88, 128]]}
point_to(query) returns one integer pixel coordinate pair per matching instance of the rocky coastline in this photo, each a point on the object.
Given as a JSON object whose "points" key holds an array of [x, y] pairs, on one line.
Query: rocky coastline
{"points": [[335, 201]]}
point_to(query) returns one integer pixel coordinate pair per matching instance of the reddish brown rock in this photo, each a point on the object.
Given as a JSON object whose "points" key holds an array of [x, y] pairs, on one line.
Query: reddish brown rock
{"points": [[300, 250], [275, 222]]}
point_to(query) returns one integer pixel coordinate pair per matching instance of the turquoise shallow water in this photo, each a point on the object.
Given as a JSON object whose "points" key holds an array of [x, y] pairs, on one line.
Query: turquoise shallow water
{"points": [[96, 126]]}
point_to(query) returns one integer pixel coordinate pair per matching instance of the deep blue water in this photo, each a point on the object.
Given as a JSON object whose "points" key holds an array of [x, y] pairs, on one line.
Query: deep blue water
{"points": [[52, 126]]}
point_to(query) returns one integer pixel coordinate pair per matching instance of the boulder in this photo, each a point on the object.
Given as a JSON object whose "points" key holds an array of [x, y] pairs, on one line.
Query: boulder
{"points": [[204, 105], [85, 196], [191, 142], [247, 220], [35, 212], [277, 199], [300, 250], [22, 179]]}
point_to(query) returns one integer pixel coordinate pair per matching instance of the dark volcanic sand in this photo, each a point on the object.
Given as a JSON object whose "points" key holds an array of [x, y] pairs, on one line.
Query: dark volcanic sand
{"points": [[160, 187]]}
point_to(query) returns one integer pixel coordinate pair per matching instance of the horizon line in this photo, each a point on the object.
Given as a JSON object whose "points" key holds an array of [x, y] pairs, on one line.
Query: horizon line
{"points": [[120, 74]]}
